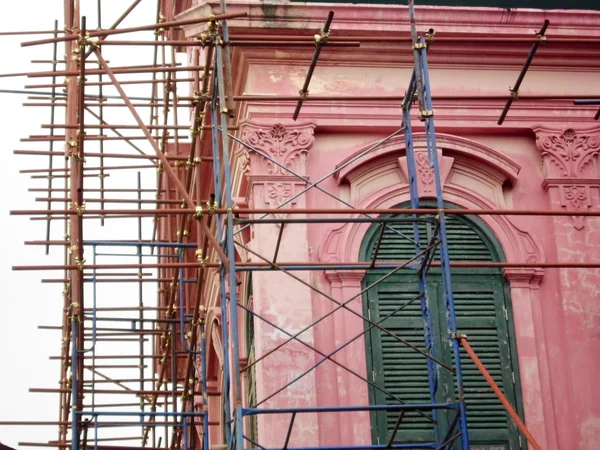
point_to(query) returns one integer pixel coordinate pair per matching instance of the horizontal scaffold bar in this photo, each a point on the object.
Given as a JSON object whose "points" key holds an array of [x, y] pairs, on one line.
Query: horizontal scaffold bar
{"points": [[320, 409], [334, 211], [296, 266]]}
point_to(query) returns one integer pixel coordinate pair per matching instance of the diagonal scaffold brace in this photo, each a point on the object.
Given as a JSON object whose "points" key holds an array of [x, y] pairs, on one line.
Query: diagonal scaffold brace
{"points": [[163, 159]]}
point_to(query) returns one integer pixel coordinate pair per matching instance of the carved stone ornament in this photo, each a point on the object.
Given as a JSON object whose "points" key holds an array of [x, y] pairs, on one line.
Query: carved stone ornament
{"points": [[282, 146], [425, 171], [571, 154], [571, 168], [276, 194]]}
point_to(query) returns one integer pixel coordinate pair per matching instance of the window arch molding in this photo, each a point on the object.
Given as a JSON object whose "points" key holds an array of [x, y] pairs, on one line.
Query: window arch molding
{"points": [[342, 243]]}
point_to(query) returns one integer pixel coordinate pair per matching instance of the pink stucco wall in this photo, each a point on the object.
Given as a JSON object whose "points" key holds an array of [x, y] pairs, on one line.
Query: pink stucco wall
{"points": [[545, 156]]}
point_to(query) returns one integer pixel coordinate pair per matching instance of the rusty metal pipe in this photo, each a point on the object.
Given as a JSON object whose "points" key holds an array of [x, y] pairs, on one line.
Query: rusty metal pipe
{"points": [[156, 26], [109, 155], [511, 411], [316, 266], [334, 211], [104, 83], [169, 170], [73, 73]]}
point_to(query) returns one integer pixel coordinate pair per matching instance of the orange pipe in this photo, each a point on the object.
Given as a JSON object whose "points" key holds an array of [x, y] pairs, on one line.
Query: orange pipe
{"points": [[511, 411]]}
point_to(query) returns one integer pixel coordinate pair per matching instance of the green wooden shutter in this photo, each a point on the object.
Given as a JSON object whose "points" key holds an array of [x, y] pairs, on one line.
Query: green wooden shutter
{"points": [[482, 313], [398, 369]]}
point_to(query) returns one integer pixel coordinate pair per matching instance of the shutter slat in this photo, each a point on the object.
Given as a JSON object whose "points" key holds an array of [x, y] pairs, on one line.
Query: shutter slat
{"points": [[404, 372]]}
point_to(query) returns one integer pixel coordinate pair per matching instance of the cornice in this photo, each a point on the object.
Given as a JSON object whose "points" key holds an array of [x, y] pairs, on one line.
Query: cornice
{"points": [[474, 117], [370, 18]]}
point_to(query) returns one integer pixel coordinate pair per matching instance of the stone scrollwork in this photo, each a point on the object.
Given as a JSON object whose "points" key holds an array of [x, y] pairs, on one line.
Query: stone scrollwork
{"points": [[282, 147], [571, 168]]}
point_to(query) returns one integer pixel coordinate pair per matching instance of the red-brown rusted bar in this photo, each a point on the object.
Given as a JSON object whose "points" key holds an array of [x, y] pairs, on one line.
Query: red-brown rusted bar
{"points": [[439, 38], [92, 190], [128, 308], [112, 105], [73, 73], [67, 444], [18, 33], [9, 75], [112, 200], [287, 39], [156, 26], [55, 138], [509, 408], [390, 98], [91, 423], [333, 211], [237, 43], [111, 280], [124, 127], [47, 61], [109, 155], [107, 83], [54, 170], [123, 356], [44, 444], [101, 216], [300, 264], [39, 177], [133, 243], [47, 243], [168, 169]]}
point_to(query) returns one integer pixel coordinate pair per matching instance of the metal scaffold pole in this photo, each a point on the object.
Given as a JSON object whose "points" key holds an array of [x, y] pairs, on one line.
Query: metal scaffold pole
{"points": [[153, 326]]}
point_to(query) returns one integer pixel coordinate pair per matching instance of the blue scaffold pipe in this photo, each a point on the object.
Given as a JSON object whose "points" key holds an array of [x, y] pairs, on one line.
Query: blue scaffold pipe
{"points": [[235, 350], [422, 275], [94, 302], [182, 308], [444, 256], [323, 409], [357, 447]]}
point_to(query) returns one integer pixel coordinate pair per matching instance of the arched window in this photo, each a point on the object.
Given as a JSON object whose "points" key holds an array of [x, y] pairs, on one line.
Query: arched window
{"points": [[483, 313]]}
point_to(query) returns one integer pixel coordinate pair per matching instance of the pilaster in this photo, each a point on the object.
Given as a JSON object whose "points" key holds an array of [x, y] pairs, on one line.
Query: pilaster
{"points": [[572, 178], [277, 296]]}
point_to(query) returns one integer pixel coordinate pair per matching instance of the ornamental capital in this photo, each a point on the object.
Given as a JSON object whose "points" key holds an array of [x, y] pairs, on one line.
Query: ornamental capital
{"points": [[569, 153], [277, 150], [572, 176]]}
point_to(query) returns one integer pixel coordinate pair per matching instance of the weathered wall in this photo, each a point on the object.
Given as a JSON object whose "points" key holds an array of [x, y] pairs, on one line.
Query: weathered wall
{"points": [[545, 156]]}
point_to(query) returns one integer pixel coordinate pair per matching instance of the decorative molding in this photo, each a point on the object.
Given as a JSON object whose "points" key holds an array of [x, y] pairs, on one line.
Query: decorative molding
{"points": [[286, 145], [571, 154], [528, 278], [425, 172], [571, 168], [275, 148], [392, 19], [339, 278], [447, 143]]}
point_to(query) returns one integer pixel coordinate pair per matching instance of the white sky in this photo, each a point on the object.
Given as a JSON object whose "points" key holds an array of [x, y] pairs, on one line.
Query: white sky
{"points": [[25, 302]]}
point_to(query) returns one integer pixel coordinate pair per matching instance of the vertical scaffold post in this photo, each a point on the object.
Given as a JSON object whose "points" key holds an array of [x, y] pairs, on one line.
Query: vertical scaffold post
{"points": [[214, 117], [422, 274], [423, 88], [426, 115], [221, 85]]}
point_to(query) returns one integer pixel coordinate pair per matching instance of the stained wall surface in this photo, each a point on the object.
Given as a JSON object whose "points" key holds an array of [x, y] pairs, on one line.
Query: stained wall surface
{"points": [[544, 157]]}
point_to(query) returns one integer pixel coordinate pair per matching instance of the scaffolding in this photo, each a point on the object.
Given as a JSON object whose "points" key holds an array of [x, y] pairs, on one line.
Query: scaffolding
{"points": [[151, 348]]}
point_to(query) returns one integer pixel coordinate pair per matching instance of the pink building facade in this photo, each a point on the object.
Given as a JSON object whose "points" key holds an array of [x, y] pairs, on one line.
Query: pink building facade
{"points": [[544, 157]]}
